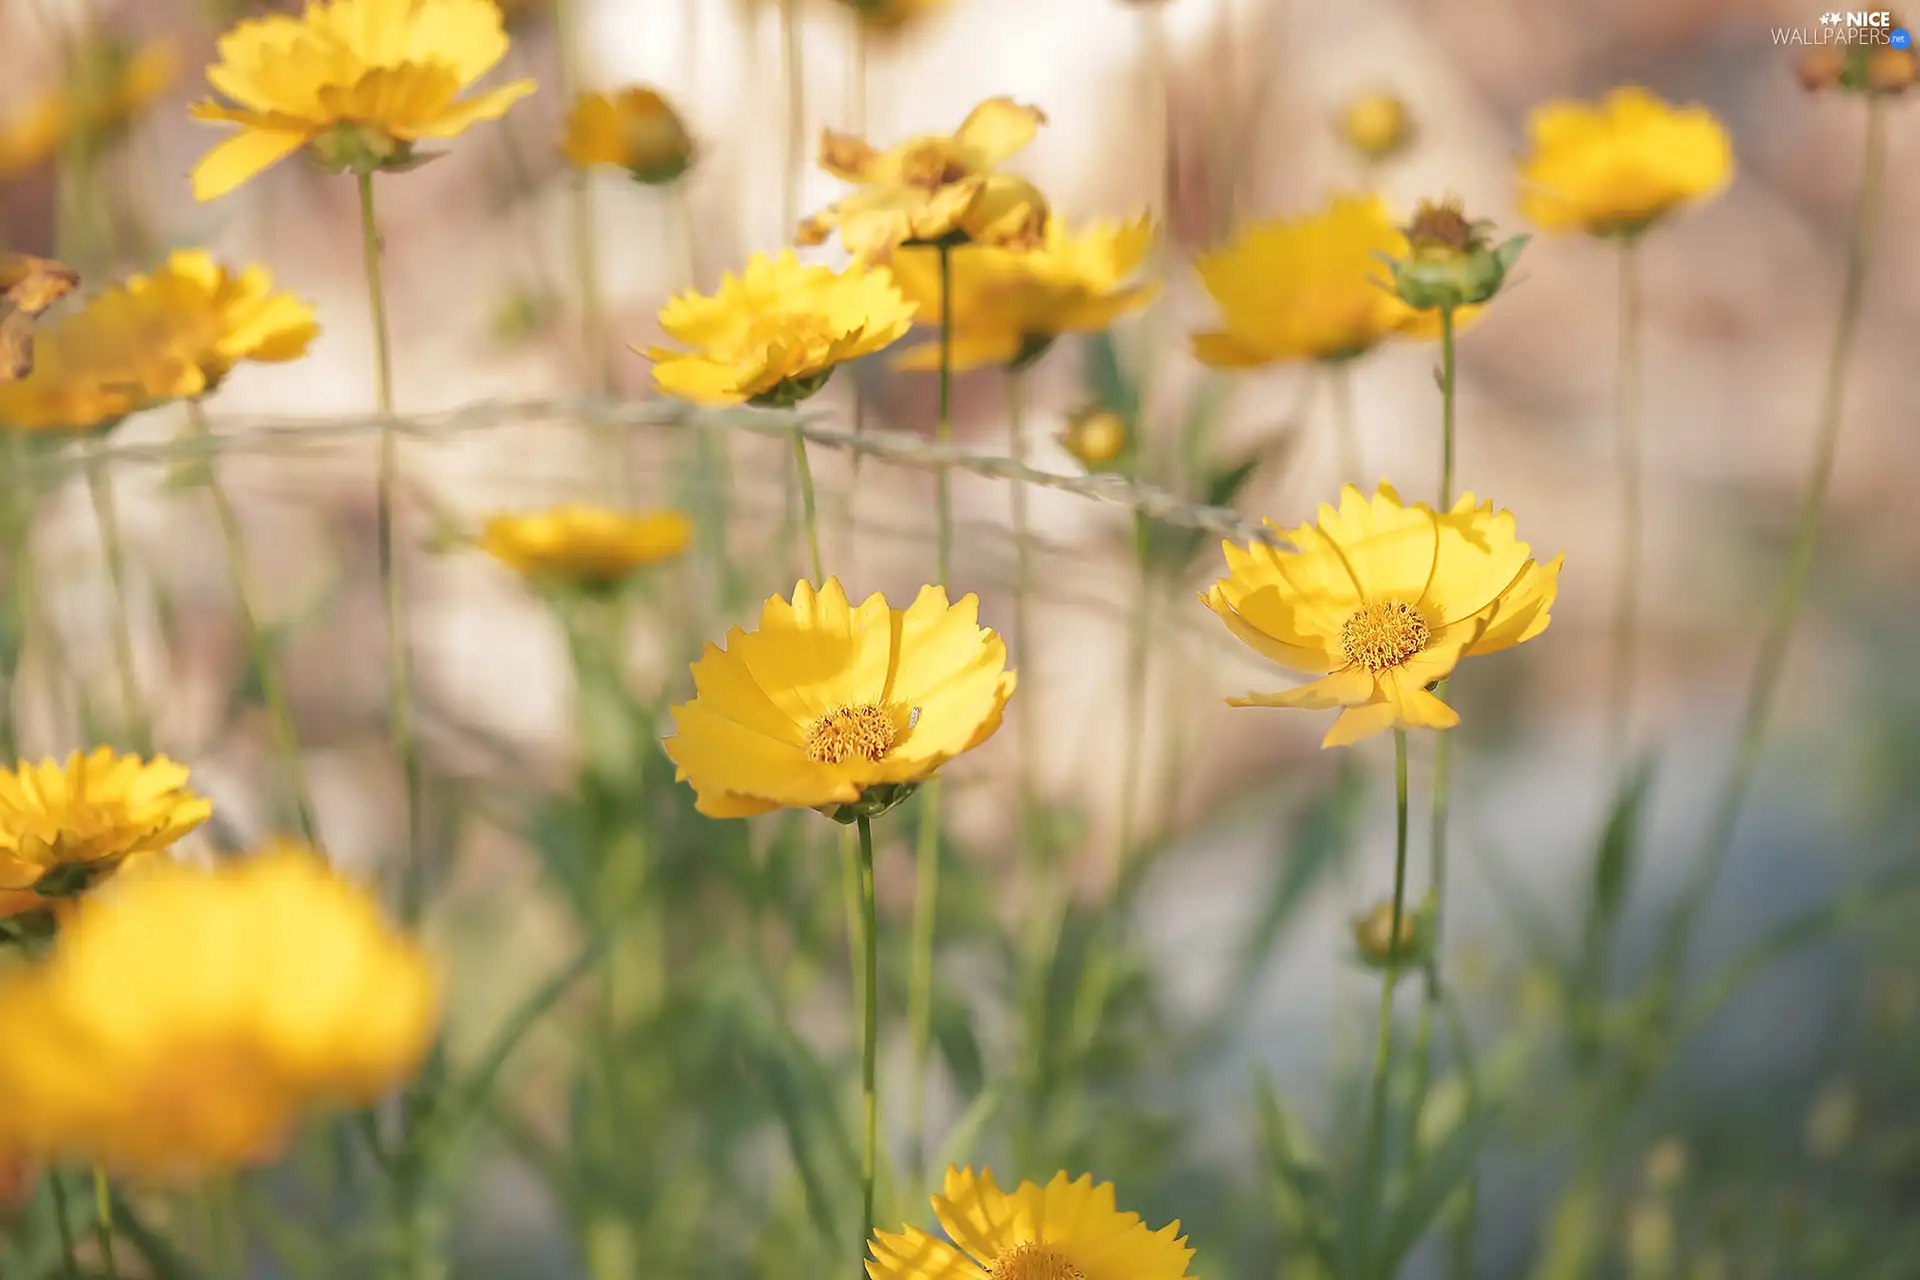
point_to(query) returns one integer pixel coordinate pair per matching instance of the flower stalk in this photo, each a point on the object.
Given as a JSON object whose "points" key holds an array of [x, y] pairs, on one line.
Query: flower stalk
{"points": [[103, 1222], [869, 1030], [1372, 1187], [1632, 482], [113, 548]]}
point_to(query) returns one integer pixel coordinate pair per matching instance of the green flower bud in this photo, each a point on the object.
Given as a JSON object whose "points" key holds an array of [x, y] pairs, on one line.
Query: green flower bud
{"points": [[1451, 262]]}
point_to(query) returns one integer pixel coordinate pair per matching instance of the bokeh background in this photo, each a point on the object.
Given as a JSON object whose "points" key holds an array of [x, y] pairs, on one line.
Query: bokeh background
{"points": [[1794, 1103]]}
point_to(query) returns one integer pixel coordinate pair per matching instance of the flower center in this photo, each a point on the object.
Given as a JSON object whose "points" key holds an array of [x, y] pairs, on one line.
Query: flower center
{"points": [[932, 163], [865, 731], [1382, 634], [1034, 1262]]}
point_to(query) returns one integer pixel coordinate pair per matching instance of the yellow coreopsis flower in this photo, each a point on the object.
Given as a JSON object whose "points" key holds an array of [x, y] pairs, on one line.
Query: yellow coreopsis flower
{"points": [[830, 704], [186, 1017], [1068, 1228], [1008, 305], [1614, 167], [634, 129], [1380, 600], [1308, 288], [588, 545], [63, 825], [111, 84], [937, 187], [360, 81], [169, 334], [774, 334]]}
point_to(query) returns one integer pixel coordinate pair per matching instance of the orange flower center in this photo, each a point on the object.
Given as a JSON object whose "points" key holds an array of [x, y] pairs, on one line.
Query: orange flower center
{"points": [[1382, 634], [1035, 1262], [865, 731], [932, 163]]}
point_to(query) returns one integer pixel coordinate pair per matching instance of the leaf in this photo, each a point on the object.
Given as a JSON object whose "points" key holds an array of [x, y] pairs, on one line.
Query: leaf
{"points": [[964, 1138], [1302, 1200], [1107, 383], [1609, 884], [1444, 1171], [953, 1032]]}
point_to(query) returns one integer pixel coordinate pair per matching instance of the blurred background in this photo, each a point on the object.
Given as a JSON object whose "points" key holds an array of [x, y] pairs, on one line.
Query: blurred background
{"points": [[1779, 1137]]}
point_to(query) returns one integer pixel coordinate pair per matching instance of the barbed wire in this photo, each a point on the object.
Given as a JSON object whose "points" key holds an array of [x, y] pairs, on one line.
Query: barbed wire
{"points": [[235, 434]]}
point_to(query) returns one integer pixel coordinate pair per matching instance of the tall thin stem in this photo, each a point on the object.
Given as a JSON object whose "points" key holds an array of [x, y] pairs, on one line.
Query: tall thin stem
{"points": [[1345, 426], [266, 667], [585, 232], [114, 550], [1446, 404], [869, 1031], [1773, 647], [1443, 745], [1371, 1174], [792, 71], [103, 1222], [407, 1166], [1133, 737], [63, 1222], [1627, 591], [857, 81], [1029, 721], [943, 514], [809, 511]]}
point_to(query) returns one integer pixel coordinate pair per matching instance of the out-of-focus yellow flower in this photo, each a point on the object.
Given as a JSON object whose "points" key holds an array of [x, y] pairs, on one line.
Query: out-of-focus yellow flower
{"points": [[1380, 600], [1066, 1229], [582, 544], [64, 826], [188, 1017], [892, 15], [110, 84], [169, 334], [1097, 438], [1009, 305], [28, 286], [634, 129], [1377, 125], [1308, 288], [937, 187], [360, 81], [834, 706], [1614, 167], [773, 334]]}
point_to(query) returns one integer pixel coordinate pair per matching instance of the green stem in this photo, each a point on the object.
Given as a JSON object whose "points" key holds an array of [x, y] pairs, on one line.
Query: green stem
{"points": [[113, 548], [809, 511], [792, 72], [1627, 594], [1132, 738], [869, 1031], [63, 1221], [1372, 1181], [943, 533], [1446, 404], [1029, 744], [407, 1168], [1773, 649], [103, 1221], [272, 690], [1346, 426]]}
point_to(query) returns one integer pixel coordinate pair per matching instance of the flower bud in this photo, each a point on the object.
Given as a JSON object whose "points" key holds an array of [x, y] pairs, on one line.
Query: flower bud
{"points": [[635, 129], [1009, 213], [891, 15], [1373, 936], [1377, 125], [1451, 262], [1820, 67], [1890, 71], [1097, 438]]}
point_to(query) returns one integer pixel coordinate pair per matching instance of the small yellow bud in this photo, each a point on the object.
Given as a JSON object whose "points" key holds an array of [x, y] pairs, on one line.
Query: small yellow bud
{"points": [[1373, 936], [635, 129], [1097, 438], [1820, 68], [1891, 71], [1377, 125]]}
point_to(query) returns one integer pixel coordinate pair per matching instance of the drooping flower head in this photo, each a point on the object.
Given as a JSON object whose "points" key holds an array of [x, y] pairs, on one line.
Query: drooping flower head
{"points": [[109, 83], [1614, 167], [635, 129], [28, 286], [591, 546], [1380, 600], [64, 826], [937, 187], [358, 81], [169, 334], [1008, 305], [773, 334], [829, 704], [187, 1018], [1070, 1229], [1307, 288]]}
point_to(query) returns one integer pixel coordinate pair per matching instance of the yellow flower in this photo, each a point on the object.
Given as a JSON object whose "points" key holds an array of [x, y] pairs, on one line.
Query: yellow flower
{"points": [[828, 701], [170, 334], [1380, 600], [28, 286], [773, 334], [1008, 305], [112, 83], [1612, 168], [187, 1017], [359, 80], [1377, 125], [1066, 1230], [1308, 288], [75, 822], [584, 544], [635, 129], [935, 187]]}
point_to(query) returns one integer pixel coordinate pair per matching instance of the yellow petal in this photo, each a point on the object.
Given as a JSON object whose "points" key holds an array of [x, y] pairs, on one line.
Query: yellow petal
{"points": [[1347, 687], [997, 129], [1358, 723], [247, 153]]}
